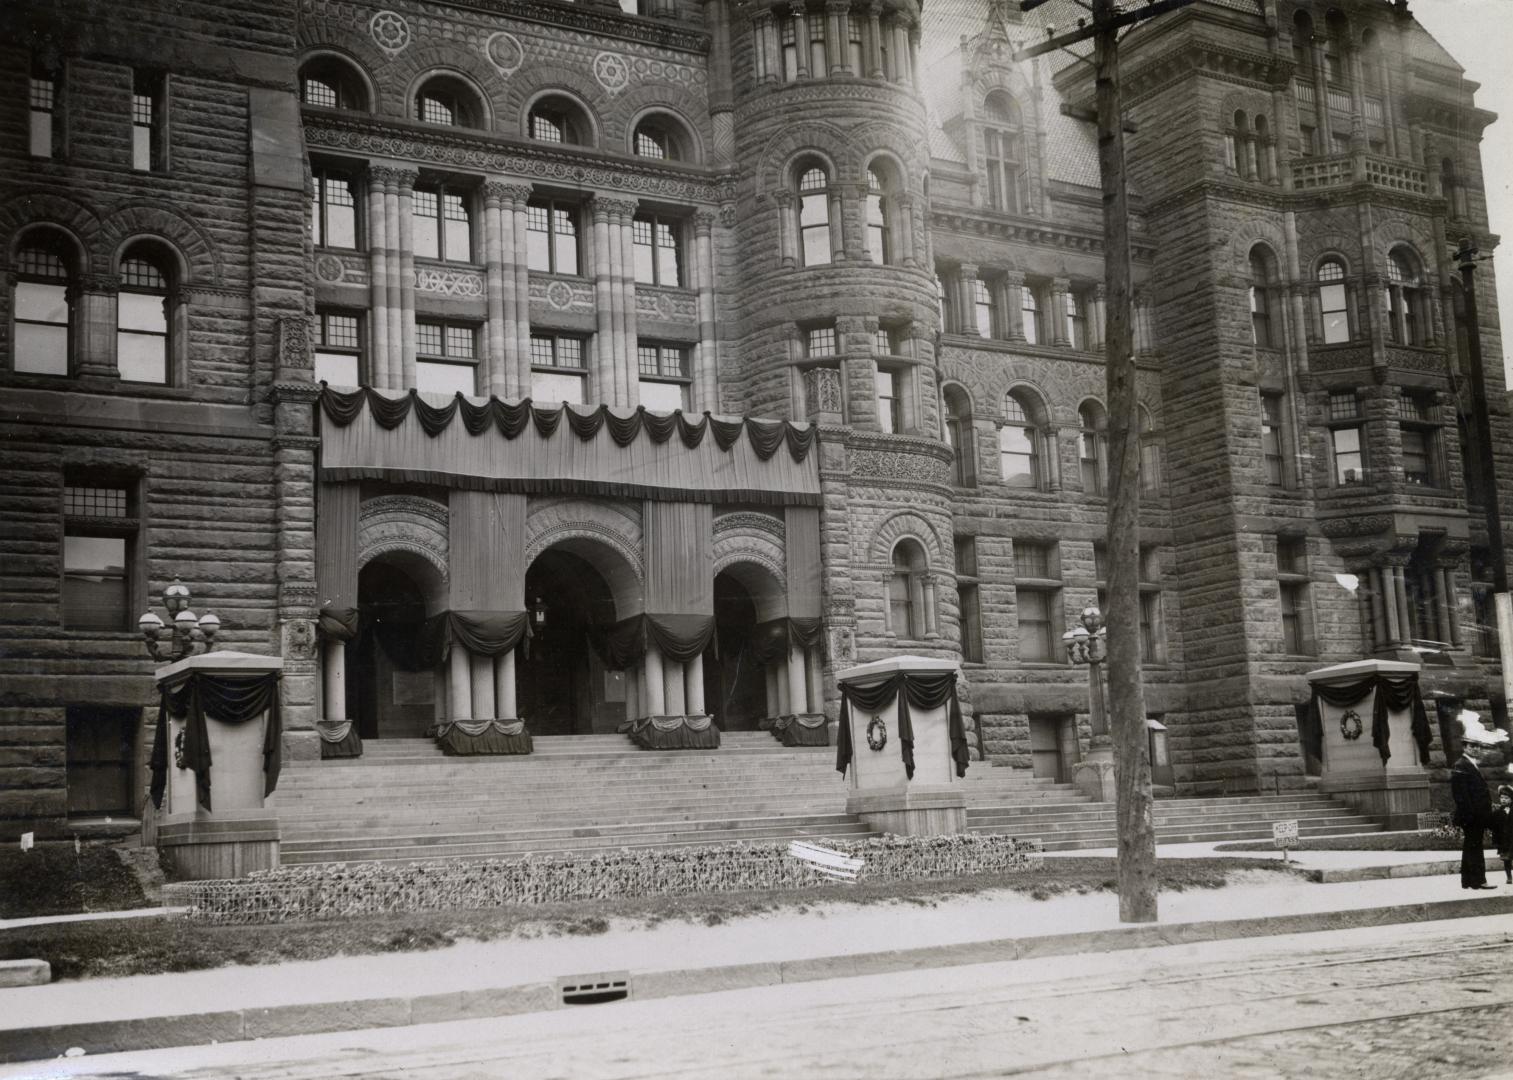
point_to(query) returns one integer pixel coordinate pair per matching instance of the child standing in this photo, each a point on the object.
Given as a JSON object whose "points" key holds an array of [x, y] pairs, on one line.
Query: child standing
{"points": [[1501, 827]]}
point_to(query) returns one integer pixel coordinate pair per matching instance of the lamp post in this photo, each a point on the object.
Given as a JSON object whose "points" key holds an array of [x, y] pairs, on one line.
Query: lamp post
{"points": [[1087, 643], [186, 632]]}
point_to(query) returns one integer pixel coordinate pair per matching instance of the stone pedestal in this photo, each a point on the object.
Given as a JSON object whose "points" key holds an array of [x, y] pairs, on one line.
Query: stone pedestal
{"points": [[1093, 776], [1394, 793], [242, 833], [934, 802]]}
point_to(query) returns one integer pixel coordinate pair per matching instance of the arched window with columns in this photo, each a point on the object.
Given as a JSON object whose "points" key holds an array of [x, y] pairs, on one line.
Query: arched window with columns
{"points": [[1333, 302], [146, 337], [907, 595], [1019, 441], [1406, 299], [880, 208], [813, 212], [1093, 448], [450, 102], [961, 436], [1263, 297], [42, 304], [331, 82]]}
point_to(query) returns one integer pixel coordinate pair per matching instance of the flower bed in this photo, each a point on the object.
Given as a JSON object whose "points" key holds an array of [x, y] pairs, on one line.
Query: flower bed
{"points": [[345, 890]]}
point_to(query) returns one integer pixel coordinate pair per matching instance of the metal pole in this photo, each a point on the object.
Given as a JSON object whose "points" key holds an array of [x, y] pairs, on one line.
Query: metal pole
{"points": [[1481, 439]]}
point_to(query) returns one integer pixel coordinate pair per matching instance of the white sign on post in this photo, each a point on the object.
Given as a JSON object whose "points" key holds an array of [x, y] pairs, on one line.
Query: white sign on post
{"points": [[1284, 834]]}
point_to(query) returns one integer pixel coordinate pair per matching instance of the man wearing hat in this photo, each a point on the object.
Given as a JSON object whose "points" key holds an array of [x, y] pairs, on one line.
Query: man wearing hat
{"points": [[1473, 809]]}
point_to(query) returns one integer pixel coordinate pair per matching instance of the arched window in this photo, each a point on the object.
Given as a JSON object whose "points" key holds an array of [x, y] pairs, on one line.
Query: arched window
{"points": [[1150, 453], [662, 138], [1018, 443], [1236, 139], [1336, 48], [1262, 286], [559, 120], [960, 435], [332, 83], [1334, 305], [42, 306], [1404, 299], [1093, 448], [906, 591], [814, 216], [1371, 66], [1302, 44], [1004, 152], [144, 316], [879, 208], [1260, 151], [450, 102], [940, 299]]}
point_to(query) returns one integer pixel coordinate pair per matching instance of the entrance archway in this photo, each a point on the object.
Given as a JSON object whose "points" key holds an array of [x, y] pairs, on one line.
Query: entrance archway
{"points": [[396, 693], [563, 686], [735, 686]]}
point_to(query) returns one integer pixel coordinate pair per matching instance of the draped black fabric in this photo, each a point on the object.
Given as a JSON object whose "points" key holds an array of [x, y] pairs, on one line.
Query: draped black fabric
{"points": [[1394, 693], [420, 646], [342, 409], [231, 699], [919, 691], [338, 625], [348, 746], [773, 638], [678, 637]]}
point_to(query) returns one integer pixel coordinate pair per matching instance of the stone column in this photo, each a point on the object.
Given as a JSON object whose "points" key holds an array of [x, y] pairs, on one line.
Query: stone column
{"points": [[1051, 452], [96, 297], [404, 199], [797, 697], [334, 657], [653, 682], [633, 710], [1447, 597], [504, 686], [837, 39], [903, 225], [1437, 579], [1400, 598], [1381, 630], [874, 40], [380, 375], [484, 684], [499, 305], [931, 619], [835, 204], [674, 687], [788, 240], [966, 298], [459, 685], [602, 370], [1060, 289], [1011, 291], [518, 369], [693, 686], [627, 379], [815, 662], [706, 394], [915, 34], [774, 696], [1097, 318], [900, 42], [800, 37]]}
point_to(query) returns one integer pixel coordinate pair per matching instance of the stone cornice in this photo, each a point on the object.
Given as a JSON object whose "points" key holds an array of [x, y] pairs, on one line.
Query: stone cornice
{"points": [[497, 154], [1277, 200], [596, 22], [974, 221]]}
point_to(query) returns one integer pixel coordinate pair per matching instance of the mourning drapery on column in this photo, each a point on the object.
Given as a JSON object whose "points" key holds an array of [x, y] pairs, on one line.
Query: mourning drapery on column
{"points": [[230, 699], [911, 689], [336, 580], [1394, 693]]}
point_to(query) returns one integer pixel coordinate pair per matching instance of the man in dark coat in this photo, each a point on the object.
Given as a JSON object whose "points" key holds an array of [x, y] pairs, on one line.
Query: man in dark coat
{"points": [[1473, 810]]}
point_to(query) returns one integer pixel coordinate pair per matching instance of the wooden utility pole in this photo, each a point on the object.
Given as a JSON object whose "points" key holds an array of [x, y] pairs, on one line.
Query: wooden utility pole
{"points": [[1133, 808]]}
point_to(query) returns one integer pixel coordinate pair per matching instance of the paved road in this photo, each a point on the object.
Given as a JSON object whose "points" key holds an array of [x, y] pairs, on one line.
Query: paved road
{"points": [[1422, 1001]]}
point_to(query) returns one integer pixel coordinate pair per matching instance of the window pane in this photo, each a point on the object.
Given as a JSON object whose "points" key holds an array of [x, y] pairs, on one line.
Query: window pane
{"points": [[41, 134], [94, 501], [461, 341], [663, 396], [41, 350], [141, 147], [141, 311], [338, 369], [538, 251], [566, 242], [646, 270], [340, 330], [549, 388], [1017, 450], [94, 583], [428, 338], [1032, 560], [39, 302], [816, 246], [1034, 617], [444, 378], [142, 357], [459, 240], [668, 271], [425, 237]]}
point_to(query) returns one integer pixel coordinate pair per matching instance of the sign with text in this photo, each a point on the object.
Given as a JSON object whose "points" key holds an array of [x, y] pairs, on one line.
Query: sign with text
{"points": [[1284, 834]]}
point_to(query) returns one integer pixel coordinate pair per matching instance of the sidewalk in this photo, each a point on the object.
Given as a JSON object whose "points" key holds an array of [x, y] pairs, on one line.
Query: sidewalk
{"points": [[832, 940]]}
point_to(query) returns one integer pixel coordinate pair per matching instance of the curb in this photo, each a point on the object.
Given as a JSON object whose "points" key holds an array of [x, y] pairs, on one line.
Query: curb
{"points": [[235, 1025]]}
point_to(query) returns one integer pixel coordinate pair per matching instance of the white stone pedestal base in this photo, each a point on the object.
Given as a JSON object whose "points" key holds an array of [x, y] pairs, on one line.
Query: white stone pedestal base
{"points": [[919, 811], [1094, 775]]}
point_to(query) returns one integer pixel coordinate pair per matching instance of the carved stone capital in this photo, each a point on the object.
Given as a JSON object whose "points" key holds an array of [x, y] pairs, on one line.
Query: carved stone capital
{"points": [[103, 284], [623, 209], [393, 179], [704, 221]]}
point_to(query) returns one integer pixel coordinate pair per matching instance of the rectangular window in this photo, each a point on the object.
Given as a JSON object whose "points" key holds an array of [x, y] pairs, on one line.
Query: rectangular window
{"points": [[968, 591], [820, 341], [1419, 431], [446, 358], [42, 97], [788, 40], [552, 237], [890, 414], [557, 371], [854, 43], [147, 127], [817, 66], [101, 759], [99, 537], [1271, 439], [664, 375], [658, 257], [42, 317], [333, 210], [1292, 591], [338, 349], [1076, 321], [982, 306], [1029, 314], [1483, 605], [1037, 595], [1346, 440], [442, 224]]}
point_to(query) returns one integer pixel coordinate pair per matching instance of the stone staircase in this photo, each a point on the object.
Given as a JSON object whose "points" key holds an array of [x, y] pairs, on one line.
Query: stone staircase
{"points": [[404, 801]]}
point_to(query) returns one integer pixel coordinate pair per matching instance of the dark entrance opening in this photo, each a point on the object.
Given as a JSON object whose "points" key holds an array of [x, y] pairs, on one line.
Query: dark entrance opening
{"points": [[101, 757], [563, 686], [395, 694], [735, 688]]}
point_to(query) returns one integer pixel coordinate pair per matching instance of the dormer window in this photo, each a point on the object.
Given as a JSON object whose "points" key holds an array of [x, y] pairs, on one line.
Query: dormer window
{"points": [[1003, 147]]}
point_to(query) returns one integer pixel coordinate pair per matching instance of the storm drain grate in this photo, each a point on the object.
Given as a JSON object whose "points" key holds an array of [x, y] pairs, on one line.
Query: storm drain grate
{"points": [[594, 989]]}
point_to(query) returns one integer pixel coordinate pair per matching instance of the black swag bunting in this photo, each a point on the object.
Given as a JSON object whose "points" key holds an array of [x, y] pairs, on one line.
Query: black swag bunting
{"points": [[911, 689], [231, 699], [388, 413], [1393, 693], [773, 638], [420, 646], [679, 638]]}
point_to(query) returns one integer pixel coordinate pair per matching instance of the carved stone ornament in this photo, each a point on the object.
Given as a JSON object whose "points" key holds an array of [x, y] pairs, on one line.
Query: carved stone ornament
{"points": [[505, 52], [390, 32], [294, 343], [330, 268], [612, 71], [822, 389], [299, 639], [1369, 525], [842, 644], [464, 283], [559, 294]]}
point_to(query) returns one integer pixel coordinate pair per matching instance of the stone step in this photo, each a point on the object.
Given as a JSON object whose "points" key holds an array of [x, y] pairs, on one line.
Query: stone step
{"points": [[470, 832], [1072, 822], [367, 817], [1109, 840], [1094, 836], [1106, 812]]}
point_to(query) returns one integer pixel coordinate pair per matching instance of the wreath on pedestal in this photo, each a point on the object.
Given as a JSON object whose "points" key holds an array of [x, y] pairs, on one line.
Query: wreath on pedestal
{"points": [[877, 734], [1350, 725]]}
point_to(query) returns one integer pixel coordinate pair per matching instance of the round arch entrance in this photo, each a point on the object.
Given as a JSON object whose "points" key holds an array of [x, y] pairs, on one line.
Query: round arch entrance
{"points": [[735, 686], [396, 691], [563, 686]]}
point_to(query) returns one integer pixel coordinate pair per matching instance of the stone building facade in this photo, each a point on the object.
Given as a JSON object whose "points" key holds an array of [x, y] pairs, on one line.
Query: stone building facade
{"points": [[864, 221]]}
